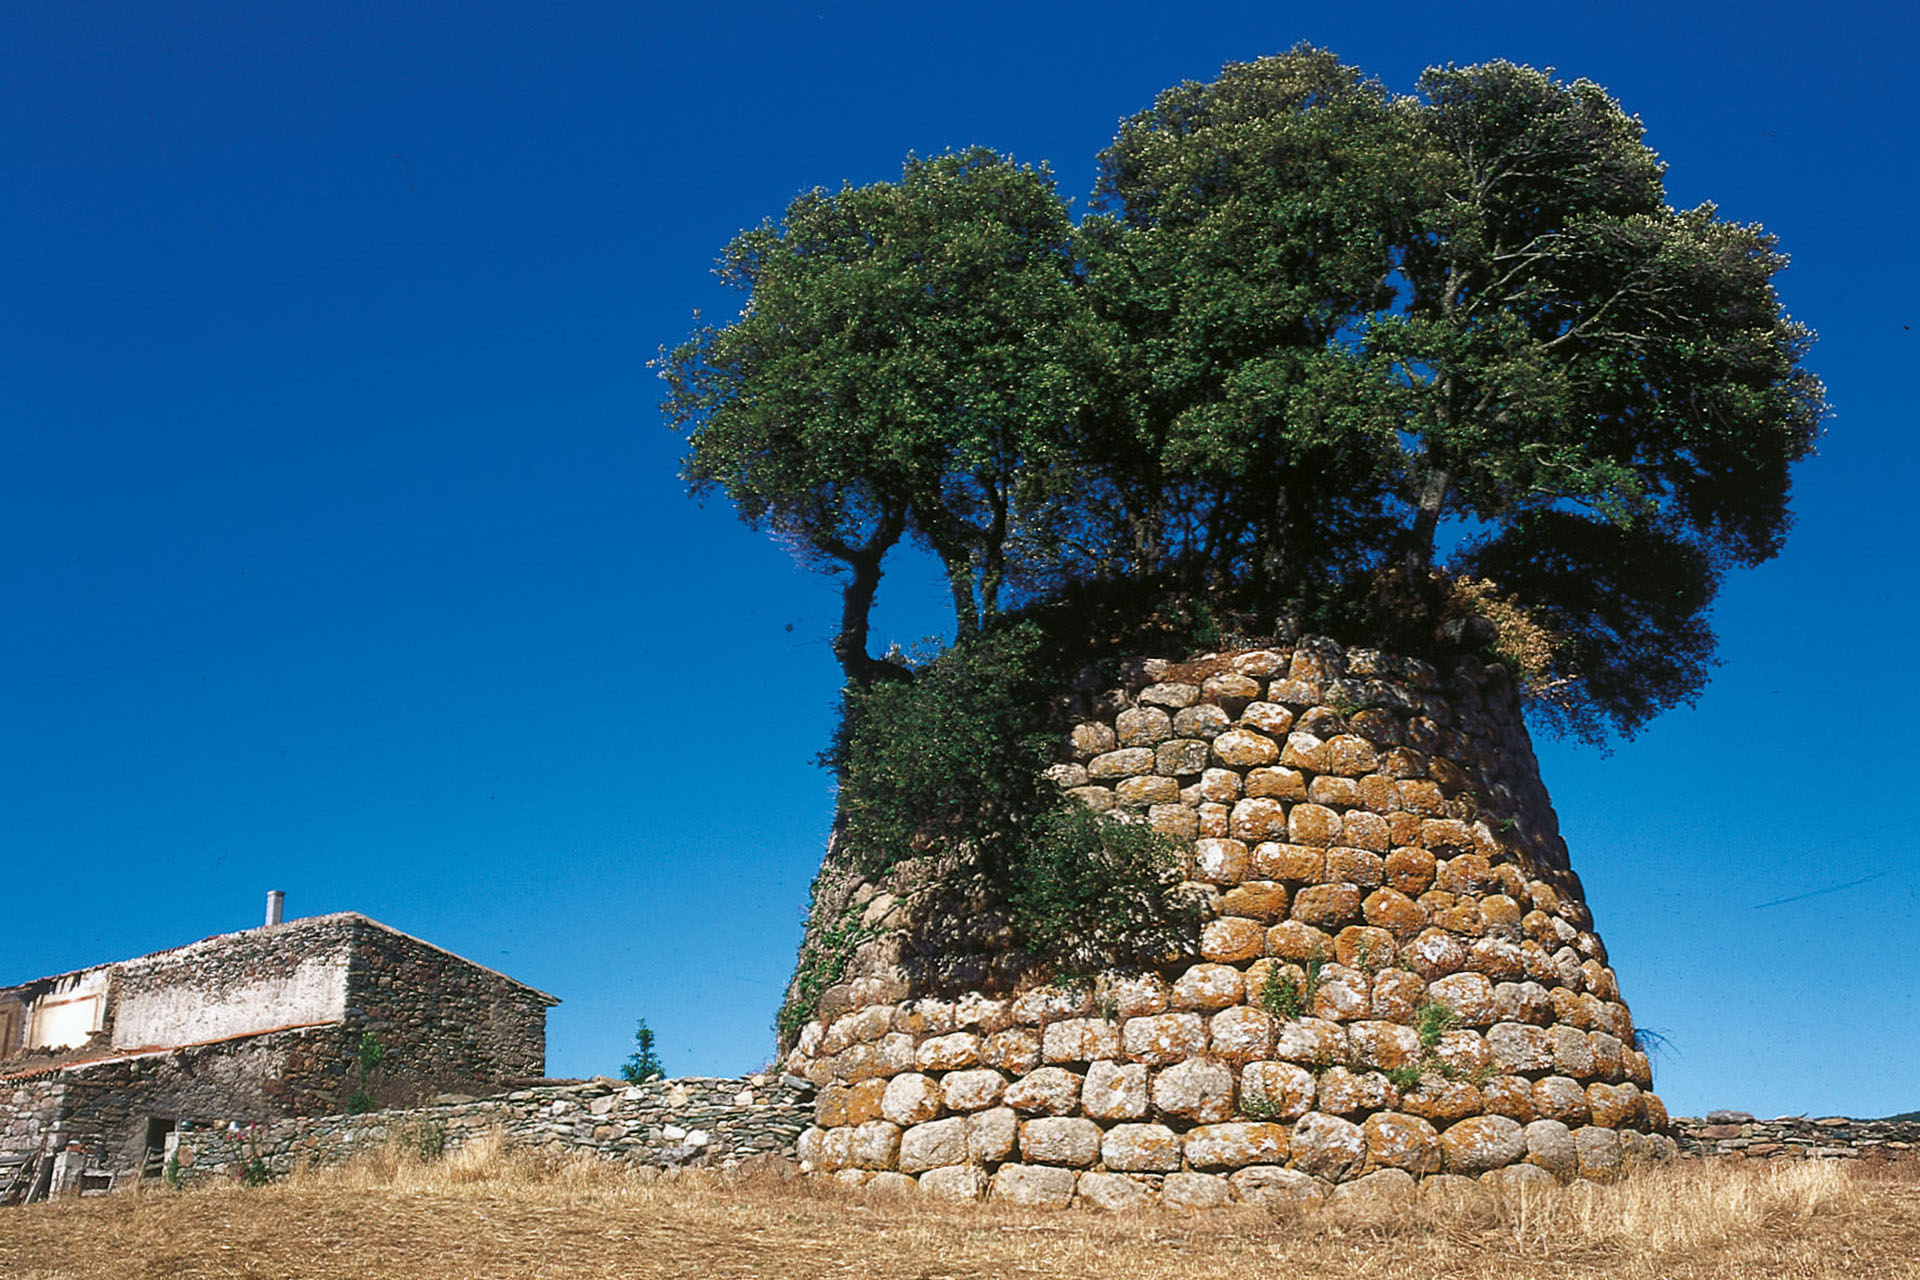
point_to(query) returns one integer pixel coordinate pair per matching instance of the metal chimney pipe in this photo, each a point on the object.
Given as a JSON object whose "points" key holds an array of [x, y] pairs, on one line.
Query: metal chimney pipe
{"points": [[276, 901]]}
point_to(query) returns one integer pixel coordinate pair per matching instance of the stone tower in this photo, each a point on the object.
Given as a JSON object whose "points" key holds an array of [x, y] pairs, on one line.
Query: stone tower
{"points": [[1395, 977]]}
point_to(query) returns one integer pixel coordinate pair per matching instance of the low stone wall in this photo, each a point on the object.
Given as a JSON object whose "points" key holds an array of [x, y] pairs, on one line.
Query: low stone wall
{"points": [[664, 1124], [1739, 1135]]}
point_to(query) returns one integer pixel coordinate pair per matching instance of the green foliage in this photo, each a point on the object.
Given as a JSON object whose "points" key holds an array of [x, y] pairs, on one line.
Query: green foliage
{"points": [[1287, 997], [369, 1054], [824, 956], [952, 755], [255, 1173], [1086, 891], [1405, 1077], [1433, 1019], [644, 1063], [426, 1139], [1319, 350]]}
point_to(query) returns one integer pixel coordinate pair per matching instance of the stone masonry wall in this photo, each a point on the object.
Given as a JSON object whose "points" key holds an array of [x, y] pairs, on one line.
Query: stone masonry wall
{"points": [[447, 1025], [663, 1124], [1738, 1135], [1371, 821]]}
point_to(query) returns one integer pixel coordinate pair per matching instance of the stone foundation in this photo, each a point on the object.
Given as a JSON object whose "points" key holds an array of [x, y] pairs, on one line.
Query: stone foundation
{"points": [[1367, 831]]}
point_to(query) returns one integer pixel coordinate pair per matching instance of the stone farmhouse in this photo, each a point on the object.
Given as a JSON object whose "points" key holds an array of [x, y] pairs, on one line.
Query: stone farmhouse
{"points": [[100, 1069]]}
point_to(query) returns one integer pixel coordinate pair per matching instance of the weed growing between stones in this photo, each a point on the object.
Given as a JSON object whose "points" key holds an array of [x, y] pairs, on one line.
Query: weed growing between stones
{"points": [[369, 1055], [1288, 997], [824, 957]]}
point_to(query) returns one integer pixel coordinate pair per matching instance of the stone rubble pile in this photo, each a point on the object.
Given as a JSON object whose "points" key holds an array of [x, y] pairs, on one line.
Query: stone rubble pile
{"points": [[1369, 833]]}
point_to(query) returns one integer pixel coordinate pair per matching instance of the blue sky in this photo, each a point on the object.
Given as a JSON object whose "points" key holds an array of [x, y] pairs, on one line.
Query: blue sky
{"points": [[341, 549]]}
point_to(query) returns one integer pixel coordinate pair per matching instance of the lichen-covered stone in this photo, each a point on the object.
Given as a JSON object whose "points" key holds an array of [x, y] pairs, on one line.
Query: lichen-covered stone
{"points": [[1127, 762], [1067, 1140], [1142, 727], [973, 1090], [1328, 1147], [1163, 1039], [1550, 1145], [1195, 1191], [991, 1135], [1140, 1148], [949, 1052], [1241, 1035], [954, 1182], [1209, 986], [876, 1144], [910, 1099], [935, 1143], [1232, 938], [1402, 1142], [1235, 1145], [1219, 861], [1276, 1090], [1343, 1092], [1519, 1048], [1053, 1091], [1469, 995], [1112, 1192], [1197, 1091], [1383, 1046], [1258, 818], [1034, 1186], [1480, 1143], [1080, 1040], [1598, 1151], [1310, 1042], [1115, 1091], [1243, 748]]}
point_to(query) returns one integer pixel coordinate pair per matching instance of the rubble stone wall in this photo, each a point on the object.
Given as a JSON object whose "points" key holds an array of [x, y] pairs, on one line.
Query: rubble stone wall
{"points": [[694, 1123], [446, 1025], [1737, 1134], [1368, 831]]}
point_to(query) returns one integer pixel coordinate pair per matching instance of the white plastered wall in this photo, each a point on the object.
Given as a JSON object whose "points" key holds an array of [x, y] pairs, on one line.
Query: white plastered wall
{"points": [[314, 990]]}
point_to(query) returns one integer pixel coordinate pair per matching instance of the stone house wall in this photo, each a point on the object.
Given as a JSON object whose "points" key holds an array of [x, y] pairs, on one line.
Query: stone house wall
{"points": [[1378, 816]]}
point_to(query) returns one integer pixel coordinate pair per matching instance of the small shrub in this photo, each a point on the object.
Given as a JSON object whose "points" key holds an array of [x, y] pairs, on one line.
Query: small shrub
{"points": [[1087, 892], [644, 1064], [1433, 1019], [370, 1054], [1404, 1077], [1281, 994]]}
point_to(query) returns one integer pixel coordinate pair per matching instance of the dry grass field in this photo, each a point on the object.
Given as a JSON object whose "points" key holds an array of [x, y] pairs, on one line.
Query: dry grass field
{"points": [[487, 1215]]}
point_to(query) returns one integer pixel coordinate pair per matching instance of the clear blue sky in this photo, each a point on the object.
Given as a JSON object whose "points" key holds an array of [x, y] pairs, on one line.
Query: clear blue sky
{"points": [[341, 549]]}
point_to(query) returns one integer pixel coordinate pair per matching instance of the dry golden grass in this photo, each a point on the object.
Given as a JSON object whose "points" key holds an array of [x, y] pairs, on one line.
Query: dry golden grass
{"points": [[484, 1214]]}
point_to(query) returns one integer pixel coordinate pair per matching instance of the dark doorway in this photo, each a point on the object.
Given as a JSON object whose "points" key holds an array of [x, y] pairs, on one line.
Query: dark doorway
{"points": [[154, 1163]]}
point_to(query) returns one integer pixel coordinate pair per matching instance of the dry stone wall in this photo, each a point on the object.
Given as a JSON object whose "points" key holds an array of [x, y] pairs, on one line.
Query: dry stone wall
{"points": [[1738, 1135], [668, 1125], [1396, 976]]}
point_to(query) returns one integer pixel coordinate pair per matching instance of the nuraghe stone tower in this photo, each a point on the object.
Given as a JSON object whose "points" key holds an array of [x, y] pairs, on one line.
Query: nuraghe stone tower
{"points": [[1372, 835]]}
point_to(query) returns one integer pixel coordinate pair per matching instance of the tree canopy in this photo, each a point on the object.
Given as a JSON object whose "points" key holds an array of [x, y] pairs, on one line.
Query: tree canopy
{"points": [[1380, 362]]}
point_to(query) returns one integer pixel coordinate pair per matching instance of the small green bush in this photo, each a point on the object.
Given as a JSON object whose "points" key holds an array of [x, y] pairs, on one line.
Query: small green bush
{"points": [[1088, 892], [1432, 1020], [644, 1064]]}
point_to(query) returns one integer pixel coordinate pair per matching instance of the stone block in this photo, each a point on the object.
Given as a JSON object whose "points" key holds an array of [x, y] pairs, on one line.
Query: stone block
{"points": [[1080, 1040], [954, 1182], [1599, 1153], [1268, 1187], [1480, 1143], [1182, 757], [1219, 861], [1015, 1051], [1311, 1042], [949, 1052], [1560, 1098], [991, 1135], [1173, 694], [1142, 726], [1201, 720], [1241, 1034], [1209, 986], [911, 1099], [876, 1144], [1141, 1148], [1396, 995], [1197, 1091], [1066, 1140], [1342, 1092], [1276, 1090], [1468, 994], [1035, 1186], [1328, 1147], [1383, 1046], [1235, 1145], [1048, 1091], [1162, 1039], [1275, 860], [935, 1143], [1402, 1142], [1520, 1049], [1258, 818], [1550, 1146], [1113, 1192], [1127, 762], [1233, 938], [1243, 748], [1195, 1191], [1115, 1091], [1132, 995], [1261, 900], [1327, 906], [974, 1090]]}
